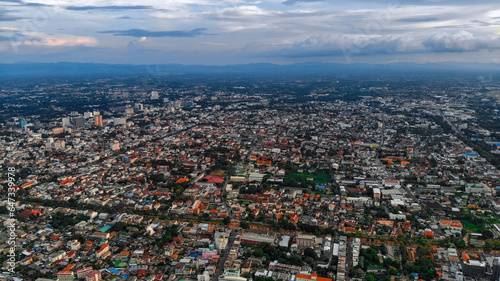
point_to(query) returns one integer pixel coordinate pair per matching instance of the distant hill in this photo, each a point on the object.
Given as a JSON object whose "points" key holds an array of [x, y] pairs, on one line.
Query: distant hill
{"points": [[19, 70]]}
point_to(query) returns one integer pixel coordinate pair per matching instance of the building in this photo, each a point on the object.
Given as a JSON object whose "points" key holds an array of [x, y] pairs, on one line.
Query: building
{"points": [[103, 251], [310, 277], [474, 268], [204, 277], [120, 121], [98, 121], [66, 122], [305, 241], [23, 123], [93, 276], [65, 276], [495, 271], [477, 188], [115, 146], [78, 122], [81, 273], [129, 111], [257, 237]]}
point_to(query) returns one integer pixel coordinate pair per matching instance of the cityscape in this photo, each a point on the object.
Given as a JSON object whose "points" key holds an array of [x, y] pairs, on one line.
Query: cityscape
{"points": [[202, 178], [249, 140]]}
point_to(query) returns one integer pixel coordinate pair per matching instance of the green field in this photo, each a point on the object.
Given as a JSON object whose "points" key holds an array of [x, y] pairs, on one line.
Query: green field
{"points": [[305, 178], [470, 226]]}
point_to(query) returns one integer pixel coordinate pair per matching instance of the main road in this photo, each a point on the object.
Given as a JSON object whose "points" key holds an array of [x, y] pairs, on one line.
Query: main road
{"points": [[223, 259]]}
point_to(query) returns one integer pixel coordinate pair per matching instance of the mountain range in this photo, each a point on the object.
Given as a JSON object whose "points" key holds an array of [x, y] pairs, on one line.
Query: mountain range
{"points": [[19, 70]]}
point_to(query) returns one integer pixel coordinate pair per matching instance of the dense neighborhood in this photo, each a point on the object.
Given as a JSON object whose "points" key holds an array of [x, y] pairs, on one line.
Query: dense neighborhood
{"points": [[195, 184]]}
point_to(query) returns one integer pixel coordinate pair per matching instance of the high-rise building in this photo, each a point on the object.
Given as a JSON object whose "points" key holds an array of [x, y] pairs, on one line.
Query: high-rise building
{"points": [[154, 95], [98, 120], [66, 122], [78, 122], [495, 274], [139, 106], [23, 123]]}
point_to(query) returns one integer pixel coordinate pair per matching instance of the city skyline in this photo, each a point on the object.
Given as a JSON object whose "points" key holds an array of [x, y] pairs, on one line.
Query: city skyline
{"points": [[239, 32]]}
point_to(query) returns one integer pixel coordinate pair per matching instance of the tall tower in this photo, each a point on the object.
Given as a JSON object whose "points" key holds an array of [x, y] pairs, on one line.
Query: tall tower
{"points": [[98, 120], [495, 275], [23, 123]]}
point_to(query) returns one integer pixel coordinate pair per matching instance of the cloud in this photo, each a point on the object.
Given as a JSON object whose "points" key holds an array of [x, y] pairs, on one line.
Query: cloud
{"points": [[335, 45], [4, 16], [461, 41], [7, 38], [147, 33], [34, 4], [137, 43], [114, 8], [63, 41], [358, 45], [418, 19], [22, 3], [293, 2]]}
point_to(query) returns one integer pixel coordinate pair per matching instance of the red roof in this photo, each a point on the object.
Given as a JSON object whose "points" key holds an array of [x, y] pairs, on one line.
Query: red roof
{"points": [[216, 180]]}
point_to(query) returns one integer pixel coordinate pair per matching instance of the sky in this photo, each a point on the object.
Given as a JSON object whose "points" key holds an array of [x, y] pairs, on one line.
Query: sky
{"points": [[225, 32]]}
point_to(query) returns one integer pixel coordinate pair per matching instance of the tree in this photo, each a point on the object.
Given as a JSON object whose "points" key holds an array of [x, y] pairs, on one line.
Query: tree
{"points": [[244, 225], [309, 252], [369, 277], [226, 220], [460, 244], [392, 270]]}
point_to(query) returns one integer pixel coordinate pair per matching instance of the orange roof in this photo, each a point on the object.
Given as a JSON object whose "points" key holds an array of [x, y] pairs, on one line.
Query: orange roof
{"points": [[445, 222], [465, 257], [350, 229], [429, 233], [181, 180], [27, 184], [313, 276]]}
